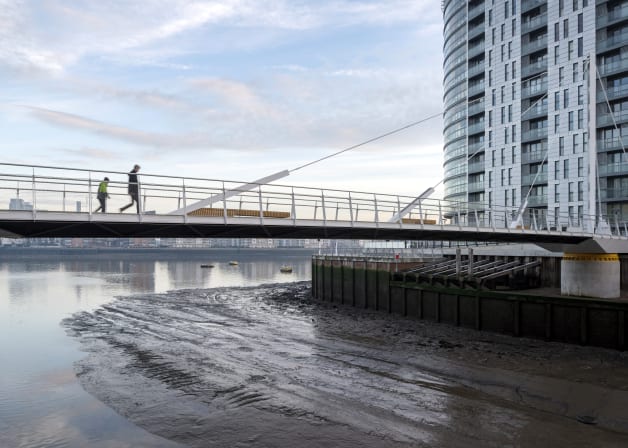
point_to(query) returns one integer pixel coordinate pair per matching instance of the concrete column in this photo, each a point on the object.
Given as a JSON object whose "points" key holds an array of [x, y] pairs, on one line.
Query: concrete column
{"points": [[590, 275]]}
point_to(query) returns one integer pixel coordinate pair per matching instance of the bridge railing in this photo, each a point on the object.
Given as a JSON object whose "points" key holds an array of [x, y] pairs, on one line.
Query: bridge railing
{"points": [[39, 188]]}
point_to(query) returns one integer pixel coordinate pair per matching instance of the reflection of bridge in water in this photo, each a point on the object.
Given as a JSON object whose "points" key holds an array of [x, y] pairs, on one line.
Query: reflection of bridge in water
{"points": [[58, 202]]}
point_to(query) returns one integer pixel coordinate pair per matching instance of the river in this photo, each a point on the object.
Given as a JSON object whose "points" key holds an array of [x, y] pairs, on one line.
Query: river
{"points": [[107, 351]]}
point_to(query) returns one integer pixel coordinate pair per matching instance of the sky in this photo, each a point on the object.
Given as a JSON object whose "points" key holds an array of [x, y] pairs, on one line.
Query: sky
{"points": [[231, 89]]}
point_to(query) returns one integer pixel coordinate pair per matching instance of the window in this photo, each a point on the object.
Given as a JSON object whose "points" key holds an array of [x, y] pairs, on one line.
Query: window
{"points": [[490, 78], [502, 31], [506, 72], [510, 112], [556, 53], [513, 155], [506, 198], [565, 28], [580, 96], [580, 193], [566, 169], [580, 47], [585, 142], [556, 171], [490, 17], [502, 180], [490, 139], [556, 32], [580, 23], [556, 100], [561, 5], [556, 123], [570, 121], [556, 193], [493, 159], [513, 197], [509, 176], [580, 167], [575, 72], [575, 5], [490, 118], [490, 58], [514, 132], [514, 7], [514, 69], [509, 50], [569, 50], [561, 146], [570, 191], [575, 143], [506, 5], [502, 95], [514, 23], [506, 135], [503, 118], [513, 92], [566, 98], [493, 97], [490, 179], [503, 158], [492, 34], [502, 52], [561, 76], [580, 118]]}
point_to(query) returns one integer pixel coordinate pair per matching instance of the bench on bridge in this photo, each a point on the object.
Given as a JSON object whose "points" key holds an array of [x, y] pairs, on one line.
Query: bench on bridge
{"points": [[231, 212], [417, 221]]}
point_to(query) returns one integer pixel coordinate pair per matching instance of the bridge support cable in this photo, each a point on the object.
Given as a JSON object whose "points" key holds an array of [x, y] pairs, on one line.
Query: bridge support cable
{"points": [[285, 173]]}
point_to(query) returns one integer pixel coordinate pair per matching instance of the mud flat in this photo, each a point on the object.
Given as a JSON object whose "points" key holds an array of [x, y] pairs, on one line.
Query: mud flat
{"points": [[269, 366]]}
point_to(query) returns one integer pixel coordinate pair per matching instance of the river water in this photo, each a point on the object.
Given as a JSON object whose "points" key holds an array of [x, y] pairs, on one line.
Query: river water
{"points": [[122, 352]]}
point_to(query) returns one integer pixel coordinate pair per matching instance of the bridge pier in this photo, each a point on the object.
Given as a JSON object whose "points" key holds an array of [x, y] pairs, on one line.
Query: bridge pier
{"points": [[590, 275]]}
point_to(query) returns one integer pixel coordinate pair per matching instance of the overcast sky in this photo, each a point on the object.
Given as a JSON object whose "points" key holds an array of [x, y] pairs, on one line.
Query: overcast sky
{"points": [[232, 89]]}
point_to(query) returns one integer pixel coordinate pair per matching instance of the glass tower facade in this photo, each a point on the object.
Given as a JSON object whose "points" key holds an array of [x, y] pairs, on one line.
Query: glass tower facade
{"points": [[536, 100]]}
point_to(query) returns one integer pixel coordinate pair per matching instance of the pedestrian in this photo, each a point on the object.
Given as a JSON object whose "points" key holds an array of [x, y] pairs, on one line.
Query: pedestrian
{"points": [[102, 195], [133, 190]]}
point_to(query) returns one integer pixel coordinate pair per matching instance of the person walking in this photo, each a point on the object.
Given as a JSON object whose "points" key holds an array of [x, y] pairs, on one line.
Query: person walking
{"points": [[102, 195], [133, 190]]}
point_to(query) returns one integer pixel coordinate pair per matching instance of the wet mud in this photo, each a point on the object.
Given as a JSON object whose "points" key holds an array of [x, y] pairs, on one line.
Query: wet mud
{"points": [[268, 366]]}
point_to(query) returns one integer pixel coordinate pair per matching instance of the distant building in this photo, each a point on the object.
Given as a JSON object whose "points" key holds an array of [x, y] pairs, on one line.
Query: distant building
{"points": [[19, 204]]}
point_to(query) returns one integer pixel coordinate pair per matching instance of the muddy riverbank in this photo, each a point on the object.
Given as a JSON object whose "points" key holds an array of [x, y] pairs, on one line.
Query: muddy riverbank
{"points": [[268, 366]]}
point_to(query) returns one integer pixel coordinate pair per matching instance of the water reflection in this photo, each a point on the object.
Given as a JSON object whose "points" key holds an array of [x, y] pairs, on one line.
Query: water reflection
{"points": [[41, 403]]}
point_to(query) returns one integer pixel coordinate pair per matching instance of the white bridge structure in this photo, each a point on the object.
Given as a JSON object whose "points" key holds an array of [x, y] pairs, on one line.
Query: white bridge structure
{"points": [[45, 201]]}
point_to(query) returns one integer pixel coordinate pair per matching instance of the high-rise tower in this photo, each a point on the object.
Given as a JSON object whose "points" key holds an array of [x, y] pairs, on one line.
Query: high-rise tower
{"points": [[529, 89]]}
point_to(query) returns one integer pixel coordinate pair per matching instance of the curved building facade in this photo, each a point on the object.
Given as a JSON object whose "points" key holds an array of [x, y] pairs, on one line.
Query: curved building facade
{"points": [[536, 100]]}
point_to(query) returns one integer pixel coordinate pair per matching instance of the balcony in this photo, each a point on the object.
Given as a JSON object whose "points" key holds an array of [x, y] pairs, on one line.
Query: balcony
{"points": [[612, 144], [454, 153], [476, 167], [529, 179], [475, 31], [611, 68], [476, 89], [534, 156], [476, 70], [534, 23], [612, 93], [527, 5], [614, 193], [476, 11], [534, 134], [616, 15], [534, 68], [476, 49], [607, 119], [476, 128], [613, 169], [535, 45], [537, 200], [535, 89], [475, 187], [540, 110], [615, 41], [476, 107], [475, 148]]}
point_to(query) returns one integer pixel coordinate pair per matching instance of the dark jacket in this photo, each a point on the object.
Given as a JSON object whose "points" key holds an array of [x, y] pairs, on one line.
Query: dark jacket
{"points": [[133, 184]]}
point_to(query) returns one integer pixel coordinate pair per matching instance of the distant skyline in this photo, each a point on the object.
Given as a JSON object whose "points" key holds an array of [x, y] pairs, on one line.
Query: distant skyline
{"points": [[232, 90]]}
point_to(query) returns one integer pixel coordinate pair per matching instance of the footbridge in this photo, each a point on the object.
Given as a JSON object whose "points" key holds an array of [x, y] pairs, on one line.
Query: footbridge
{"points": [[43, 201]]}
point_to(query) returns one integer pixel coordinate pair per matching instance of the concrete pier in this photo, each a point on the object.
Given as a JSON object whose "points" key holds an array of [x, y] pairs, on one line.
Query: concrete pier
{"points": [[591, 275]]}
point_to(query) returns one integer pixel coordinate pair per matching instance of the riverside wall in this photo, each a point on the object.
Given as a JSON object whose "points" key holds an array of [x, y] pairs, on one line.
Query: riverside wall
{"points": [[540, 313]]}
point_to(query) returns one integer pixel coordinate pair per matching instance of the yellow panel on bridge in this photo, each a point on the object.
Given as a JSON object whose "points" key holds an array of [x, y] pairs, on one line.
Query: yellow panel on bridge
{"points": [[213, 212]]}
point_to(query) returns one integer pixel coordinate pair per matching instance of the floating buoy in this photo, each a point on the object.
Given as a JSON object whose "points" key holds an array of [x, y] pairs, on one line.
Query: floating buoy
{"points": [[233, 263], [207, 265], [285, 269]]}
